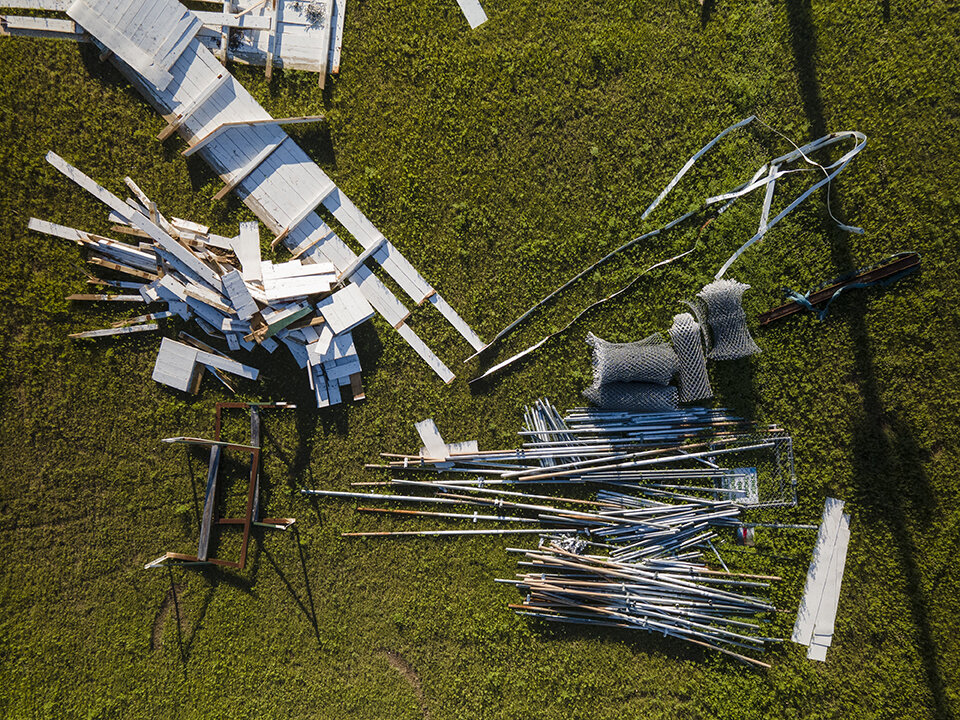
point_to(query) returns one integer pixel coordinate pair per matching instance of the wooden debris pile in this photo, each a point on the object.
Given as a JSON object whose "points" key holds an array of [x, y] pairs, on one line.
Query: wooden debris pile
{"points": [[225, 286]]}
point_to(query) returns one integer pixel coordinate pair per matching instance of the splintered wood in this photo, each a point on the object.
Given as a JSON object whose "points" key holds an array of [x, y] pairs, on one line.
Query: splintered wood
{"points": [[231, 293], [182, 263]]}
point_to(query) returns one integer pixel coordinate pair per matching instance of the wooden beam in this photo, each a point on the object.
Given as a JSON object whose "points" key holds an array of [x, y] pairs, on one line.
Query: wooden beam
{"points": [[115, 331], [325, 42], [356, 387], [271, 40], [117, 267], [248, 514], [223, 127], [194, 105], [255, 440], [205, 442], [241, 174], [209, 503], [338, 36], [105, 298]]}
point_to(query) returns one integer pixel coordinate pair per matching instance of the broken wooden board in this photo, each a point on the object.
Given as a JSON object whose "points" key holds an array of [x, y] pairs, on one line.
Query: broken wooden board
{"points": [[280, 186], [126, 330], [818, 607], [473, 11]]}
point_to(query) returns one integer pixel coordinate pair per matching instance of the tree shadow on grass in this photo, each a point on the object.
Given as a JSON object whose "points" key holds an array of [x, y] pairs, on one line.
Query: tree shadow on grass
{"points": [[890, 484]]}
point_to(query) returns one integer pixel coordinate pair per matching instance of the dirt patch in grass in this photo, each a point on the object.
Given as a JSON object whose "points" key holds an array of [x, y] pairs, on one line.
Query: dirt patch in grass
{"points": [[171, 603], [399, 663]]}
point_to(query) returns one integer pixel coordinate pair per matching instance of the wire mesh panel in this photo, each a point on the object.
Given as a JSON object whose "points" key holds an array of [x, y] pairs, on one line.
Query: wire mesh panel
{"points": [[693, 382], [650, 360], [640, 397], [723, 300], [763, 476]]}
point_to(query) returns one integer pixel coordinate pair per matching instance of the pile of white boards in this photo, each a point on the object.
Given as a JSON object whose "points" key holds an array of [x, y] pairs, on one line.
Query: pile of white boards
{"points": [[223, 285], [290, 34]]}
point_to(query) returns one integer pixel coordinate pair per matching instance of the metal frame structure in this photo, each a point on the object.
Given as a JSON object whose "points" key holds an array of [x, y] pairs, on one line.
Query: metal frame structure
{"points": [[251, 515]]}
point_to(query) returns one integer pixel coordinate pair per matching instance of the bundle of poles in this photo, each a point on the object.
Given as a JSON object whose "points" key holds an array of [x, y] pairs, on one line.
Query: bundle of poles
{"points": [[631, 554], [627, 450], [675, 597]]}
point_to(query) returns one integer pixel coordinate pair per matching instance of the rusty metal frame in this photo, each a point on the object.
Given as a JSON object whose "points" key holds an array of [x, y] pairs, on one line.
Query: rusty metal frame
{"points": [[251, 509]]}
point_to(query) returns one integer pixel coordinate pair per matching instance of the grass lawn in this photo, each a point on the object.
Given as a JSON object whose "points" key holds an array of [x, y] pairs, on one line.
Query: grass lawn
{"points": [[501, 161]]}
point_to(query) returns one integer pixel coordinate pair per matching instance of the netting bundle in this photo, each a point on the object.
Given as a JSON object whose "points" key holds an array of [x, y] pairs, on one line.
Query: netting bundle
{"points": [[650, 360], [639, 397], [692, 379], [727, 319]]}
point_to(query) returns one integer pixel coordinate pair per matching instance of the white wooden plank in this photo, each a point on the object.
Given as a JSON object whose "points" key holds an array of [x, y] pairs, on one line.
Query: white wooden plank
{"points": [[39, 24], [342, 370], [467, 447], [296, 269], [818, 572], [287, 289], [341, 12], [247, 248], [60, 231], [473, 11], [116, 331], [433, 443], [826, 613], [233, 20], [227, 365], [325, 42], [239, 296], [271, 39]]}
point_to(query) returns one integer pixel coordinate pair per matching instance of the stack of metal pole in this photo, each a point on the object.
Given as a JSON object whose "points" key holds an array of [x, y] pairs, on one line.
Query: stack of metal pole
{"points": [[705, 447], [667, 486], [674, 597]]}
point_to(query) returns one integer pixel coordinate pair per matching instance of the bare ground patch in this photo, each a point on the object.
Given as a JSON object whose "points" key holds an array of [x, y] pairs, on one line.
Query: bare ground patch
{"points": [[170, 602], [399, 663]]}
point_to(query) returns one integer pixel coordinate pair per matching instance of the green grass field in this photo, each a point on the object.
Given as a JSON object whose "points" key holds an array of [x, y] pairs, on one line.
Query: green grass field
{"points": [[500, 161]]}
